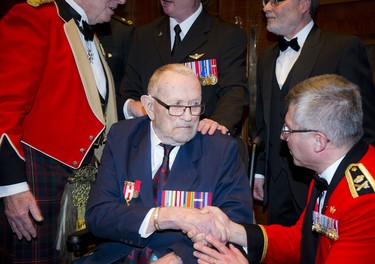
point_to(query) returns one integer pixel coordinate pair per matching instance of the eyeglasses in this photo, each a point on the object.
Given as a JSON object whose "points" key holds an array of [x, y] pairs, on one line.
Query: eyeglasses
{"points": [[179, 110], [286, 131], [273, 2]]}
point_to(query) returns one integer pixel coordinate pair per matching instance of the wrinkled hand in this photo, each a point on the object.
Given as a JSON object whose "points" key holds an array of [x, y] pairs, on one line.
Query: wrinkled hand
{"points": [[212, 221], [135, 108], [210, 126], [18, 209], [223, 254], [258, 190]]}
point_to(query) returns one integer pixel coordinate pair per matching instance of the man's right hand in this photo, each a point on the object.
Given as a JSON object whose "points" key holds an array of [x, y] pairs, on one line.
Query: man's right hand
{"points": [[18, 208]]}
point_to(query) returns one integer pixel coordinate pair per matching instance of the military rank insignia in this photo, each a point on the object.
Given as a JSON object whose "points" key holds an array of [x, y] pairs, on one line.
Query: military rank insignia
{"points": [[325, 225], [36, 3], [131, 190], [360, 180], [206, 70], [184, 199]]}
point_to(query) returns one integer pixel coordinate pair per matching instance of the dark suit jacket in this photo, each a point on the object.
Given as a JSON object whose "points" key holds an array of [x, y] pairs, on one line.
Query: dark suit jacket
{"points": [[205, 164], [116, 38], [323, 53], [224, 42]]}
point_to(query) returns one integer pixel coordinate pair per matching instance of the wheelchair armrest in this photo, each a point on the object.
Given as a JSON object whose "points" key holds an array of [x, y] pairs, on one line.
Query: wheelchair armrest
{"points": [[82, 241]]}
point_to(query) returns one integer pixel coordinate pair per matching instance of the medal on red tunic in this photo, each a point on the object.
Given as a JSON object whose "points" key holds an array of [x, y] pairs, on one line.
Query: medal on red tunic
{"points": [[325, 225]]}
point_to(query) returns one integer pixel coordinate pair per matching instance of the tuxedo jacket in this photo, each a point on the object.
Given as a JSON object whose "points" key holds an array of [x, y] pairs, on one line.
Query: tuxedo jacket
{"points": [[50, 100], [350, 199], [211, 39], [322, 53], [204, 164]]}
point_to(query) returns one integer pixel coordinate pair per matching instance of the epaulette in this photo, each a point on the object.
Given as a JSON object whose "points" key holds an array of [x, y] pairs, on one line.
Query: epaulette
{"points": [[360, 180], [123, 20], [36, 3]]}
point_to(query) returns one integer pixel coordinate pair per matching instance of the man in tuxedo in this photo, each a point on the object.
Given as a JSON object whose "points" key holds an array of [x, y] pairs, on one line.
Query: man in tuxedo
{"points": [[278, 182], [215, 50], [323, 130], [57, 102], [144, 211]]}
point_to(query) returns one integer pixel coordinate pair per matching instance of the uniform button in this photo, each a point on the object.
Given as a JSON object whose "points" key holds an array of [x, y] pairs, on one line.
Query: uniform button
{"points": [[82, 150], [75, 163], [91, 137]]}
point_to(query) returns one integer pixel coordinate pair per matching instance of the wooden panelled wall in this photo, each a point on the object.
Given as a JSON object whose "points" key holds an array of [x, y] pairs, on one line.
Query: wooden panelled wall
{"points": [[348, 16]]}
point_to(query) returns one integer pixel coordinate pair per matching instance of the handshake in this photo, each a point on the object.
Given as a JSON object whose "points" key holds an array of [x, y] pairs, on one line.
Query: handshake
{"points": [[208, 228]]}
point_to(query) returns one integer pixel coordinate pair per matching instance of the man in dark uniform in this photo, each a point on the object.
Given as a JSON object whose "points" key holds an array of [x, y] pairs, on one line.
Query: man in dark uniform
{"points": [[116, 37]]}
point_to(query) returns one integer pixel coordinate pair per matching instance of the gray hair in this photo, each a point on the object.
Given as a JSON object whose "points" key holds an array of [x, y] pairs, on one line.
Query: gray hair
{"points": [[154, 83], [330, 104]]}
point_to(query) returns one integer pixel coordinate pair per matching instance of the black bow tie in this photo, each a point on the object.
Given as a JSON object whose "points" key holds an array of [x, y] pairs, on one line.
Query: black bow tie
{"points": [[87, 31], [320, 183], [284, 44]]}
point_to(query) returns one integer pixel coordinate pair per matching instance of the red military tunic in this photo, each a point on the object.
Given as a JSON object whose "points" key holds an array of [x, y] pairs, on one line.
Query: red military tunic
{"points": [[352, 203], [51, 102]]}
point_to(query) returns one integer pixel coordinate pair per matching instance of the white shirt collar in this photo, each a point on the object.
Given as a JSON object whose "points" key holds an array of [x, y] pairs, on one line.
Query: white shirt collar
{"points": [[302, 34], [78, 9], [185, 25], [330, 171]]}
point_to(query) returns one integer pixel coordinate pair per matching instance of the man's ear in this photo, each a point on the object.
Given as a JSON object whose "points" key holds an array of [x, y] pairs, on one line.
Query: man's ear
{"points": [[148, 105], [320, 142], [305, 5]]}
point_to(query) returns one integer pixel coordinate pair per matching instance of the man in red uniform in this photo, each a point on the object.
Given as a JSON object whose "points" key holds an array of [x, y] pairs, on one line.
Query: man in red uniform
{"points": [[323, 127], [57, 100]]}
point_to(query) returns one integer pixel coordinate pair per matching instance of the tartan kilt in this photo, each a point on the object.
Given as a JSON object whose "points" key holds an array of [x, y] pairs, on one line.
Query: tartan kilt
{"points": [[46, 178]]}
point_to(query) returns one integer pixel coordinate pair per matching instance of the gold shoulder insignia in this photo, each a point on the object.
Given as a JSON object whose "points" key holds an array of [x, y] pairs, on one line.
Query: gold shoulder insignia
{"points": [[36, 3], [196, 56], [360, 180]]}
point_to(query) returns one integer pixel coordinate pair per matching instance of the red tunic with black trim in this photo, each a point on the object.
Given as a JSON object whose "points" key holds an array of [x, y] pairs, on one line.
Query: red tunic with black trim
{"points": [[352, 204]]}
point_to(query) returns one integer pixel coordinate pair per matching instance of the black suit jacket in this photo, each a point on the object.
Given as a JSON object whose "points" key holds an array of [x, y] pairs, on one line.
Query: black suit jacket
{"points": [[115, 38], [323, 53], [209, 36]]}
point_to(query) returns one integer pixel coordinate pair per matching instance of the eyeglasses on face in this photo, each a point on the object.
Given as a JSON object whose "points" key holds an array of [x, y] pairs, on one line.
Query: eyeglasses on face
{"points": [[179, 110], [286, 131], [273, 2]]}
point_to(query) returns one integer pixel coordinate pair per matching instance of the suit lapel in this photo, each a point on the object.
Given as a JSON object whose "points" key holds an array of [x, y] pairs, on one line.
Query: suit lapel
{"points": [[195, 37], [84, 68], [302, 70], [184, 172], [162, 37], [110, 111], [140, 163]]}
